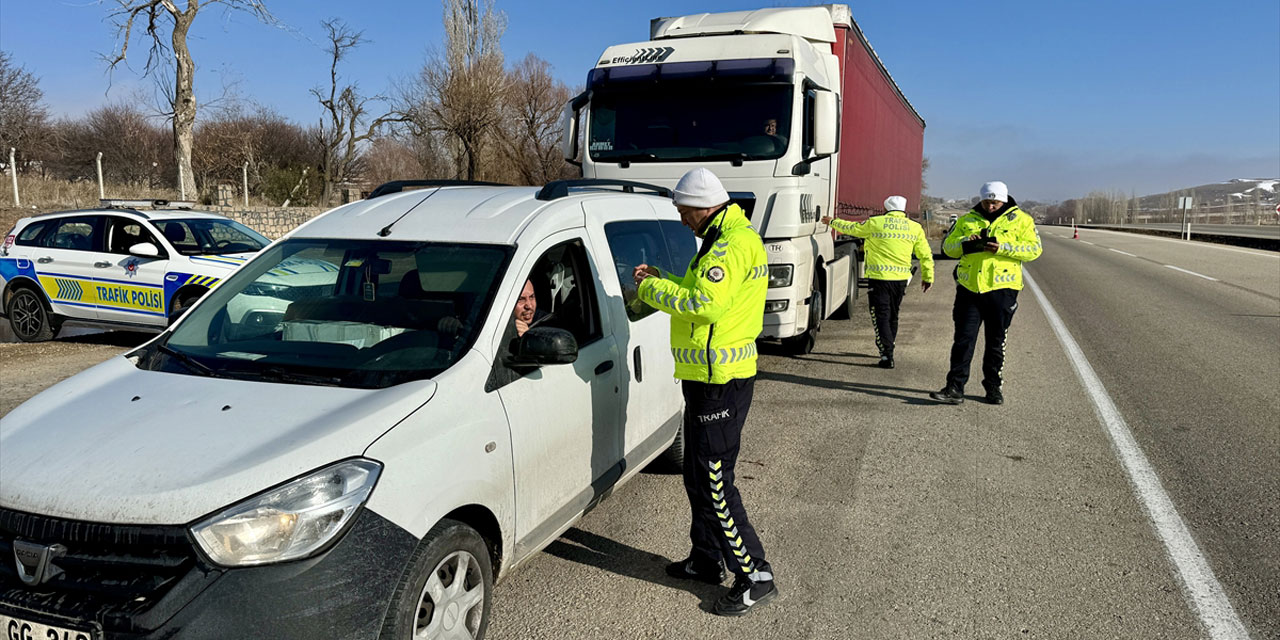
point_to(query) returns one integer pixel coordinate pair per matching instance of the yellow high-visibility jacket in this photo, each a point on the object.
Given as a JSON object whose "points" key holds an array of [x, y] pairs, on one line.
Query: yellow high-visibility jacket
{"points": [[717, 307], [890, 241], [983, 271]]}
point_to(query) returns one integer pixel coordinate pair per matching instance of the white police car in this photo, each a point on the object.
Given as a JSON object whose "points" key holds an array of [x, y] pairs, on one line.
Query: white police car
{"points": [[132, 264], [368, 461]]}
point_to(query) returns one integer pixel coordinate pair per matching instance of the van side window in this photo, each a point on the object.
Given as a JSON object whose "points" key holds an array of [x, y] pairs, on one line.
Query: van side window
{"points": [[79, 234], [682, 245], [633, 243], [564, 286]]}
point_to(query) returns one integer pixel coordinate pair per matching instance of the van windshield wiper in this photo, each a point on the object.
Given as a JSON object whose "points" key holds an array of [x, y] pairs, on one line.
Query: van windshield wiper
{"points": [[189, 362], [282, 375]]}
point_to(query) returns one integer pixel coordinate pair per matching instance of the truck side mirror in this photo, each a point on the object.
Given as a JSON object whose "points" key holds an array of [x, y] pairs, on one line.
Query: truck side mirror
{"points": [[569, 133], [826, 123]]}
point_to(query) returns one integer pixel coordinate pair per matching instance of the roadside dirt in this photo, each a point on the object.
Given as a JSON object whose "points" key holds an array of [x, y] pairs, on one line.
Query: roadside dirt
{"points": [[29, 368]]}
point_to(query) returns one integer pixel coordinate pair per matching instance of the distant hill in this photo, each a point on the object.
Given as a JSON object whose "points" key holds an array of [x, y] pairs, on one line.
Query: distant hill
{"points": [[1239, 191]]}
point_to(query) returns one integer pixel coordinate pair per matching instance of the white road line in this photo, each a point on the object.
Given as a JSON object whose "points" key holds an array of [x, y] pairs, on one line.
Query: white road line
{"points": [[1086, 242], [1199, 275], [1200, 587], [1208, 245], [1122, 252]]}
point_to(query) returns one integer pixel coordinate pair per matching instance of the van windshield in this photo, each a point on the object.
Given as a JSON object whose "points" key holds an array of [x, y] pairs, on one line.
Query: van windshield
{"points": [[352, 313], [677, 120]]}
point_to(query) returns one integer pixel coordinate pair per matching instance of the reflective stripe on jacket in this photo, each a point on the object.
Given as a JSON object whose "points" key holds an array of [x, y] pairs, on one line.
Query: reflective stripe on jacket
{"points": [[717, 308], [983, 271], [890, 241]]}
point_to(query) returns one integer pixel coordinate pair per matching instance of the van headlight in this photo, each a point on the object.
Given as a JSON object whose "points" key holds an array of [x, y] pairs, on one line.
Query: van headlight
{"points": [[291, 521], [780, 275]]}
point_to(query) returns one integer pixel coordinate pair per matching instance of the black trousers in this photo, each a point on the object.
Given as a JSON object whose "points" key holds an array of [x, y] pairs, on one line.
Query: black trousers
{"points": [[885, 298], [994, 311], [719, 529]]}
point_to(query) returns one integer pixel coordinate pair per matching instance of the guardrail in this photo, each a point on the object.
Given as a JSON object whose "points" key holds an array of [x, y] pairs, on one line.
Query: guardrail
{"points": [[1218, 234]]}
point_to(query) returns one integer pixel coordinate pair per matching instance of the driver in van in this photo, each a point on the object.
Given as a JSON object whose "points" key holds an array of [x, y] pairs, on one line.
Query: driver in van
{"points": [[526, 312]]}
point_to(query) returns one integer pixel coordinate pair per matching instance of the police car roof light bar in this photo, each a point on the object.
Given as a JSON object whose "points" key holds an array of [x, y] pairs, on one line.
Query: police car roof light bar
{"points": [[396, 186], [560, 188], [121, 203]]}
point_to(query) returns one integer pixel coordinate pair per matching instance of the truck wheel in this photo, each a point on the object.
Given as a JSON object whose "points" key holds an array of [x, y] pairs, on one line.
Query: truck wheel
{"points": [[448, 589], [804, 343], [846, 310], [28, 318]]}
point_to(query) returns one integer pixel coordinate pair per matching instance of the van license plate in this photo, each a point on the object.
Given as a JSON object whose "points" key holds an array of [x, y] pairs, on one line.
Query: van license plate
{"points": [[17, 629]]}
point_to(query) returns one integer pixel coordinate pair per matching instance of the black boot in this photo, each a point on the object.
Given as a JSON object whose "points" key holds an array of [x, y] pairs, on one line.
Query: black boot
{"points": [[744, 595], [994, 396], [948, 395], [886, 362]]}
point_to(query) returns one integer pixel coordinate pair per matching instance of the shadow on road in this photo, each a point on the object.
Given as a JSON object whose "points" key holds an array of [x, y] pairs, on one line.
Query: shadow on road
{"points": [[883, 391], [597, 551]]}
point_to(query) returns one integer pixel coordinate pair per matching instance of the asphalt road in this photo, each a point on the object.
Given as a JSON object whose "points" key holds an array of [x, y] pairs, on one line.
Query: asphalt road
{"points": [[887, 516]]}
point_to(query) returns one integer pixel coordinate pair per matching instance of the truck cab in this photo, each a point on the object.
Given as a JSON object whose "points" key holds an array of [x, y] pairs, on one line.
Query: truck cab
{"points": [[755, 96]]}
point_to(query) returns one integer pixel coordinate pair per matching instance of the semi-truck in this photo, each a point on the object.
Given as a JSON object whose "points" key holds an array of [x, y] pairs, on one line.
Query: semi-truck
{"points": [[791, 108]]}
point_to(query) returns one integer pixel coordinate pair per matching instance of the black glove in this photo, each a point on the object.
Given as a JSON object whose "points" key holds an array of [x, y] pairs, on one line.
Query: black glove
{"points": [[974, 246]]}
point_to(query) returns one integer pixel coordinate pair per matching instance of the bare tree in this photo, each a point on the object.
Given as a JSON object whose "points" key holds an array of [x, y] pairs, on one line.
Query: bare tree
{"points": [[530, 129], [23, 117], [157, 16], [345, 124], [458, 93]]}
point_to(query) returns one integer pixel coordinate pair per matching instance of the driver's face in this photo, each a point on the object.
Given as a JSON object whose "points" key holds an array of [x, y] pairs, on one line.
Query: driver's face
{"points": [[527, 303], [771, 127]]}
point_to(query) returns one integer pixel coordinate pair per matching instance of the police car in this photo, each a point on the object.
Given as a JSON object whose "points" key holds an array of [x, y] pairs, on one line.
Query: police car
{"points": [[128, 264], [350, 437]]}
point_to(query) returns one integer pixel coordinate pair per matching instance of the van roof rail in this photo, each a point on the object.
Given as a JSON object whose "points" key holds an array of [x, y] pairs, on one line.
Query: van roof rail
{"points": [[396, 186], [560, 188], [126, 203]]}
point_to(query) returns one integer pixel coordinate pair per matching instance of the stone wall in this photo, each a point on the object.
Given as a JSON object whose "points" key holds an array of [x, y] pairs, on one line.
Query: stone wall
{"points": [[271, 222]]}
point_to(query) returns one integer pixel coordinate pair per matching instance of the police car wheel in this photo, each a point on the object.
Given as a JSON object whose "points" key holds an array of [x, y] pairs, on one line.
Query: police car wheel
{"points": [[180, 304], [448, 589], [29, 319]]}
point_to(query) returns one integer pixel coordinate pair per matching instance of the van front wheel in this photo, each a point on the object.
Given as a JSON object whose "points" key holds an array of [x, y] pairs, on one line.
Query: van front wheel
{"points": [[448, 590]]}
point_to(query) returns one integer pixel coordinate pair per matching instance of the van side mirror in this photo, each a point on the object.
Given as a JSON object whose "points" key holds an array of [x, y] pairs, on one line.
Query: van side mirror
{"points": [[826, 123], [543, 345], [144, 250], [569, 132]]}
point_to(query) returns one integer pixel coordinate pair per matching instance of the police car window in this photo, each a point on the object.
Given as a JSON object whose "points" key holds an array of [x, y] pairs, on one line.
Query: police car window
{"points": [[211, 236], [78, 234], [124, 233], [564, 287], [31, 233], [633, 243]]}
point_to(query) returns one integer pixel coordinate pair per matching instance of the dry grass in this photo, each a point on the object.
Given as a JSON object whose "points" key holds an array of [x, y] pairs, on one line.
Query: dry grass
{"points": [[50, 195]]}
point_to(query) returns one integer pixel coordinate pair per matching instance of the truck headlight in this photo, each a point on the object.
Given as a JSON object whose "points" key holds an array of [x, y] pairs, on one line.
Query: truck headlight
{"points": [[780, 275], [290, 521]]}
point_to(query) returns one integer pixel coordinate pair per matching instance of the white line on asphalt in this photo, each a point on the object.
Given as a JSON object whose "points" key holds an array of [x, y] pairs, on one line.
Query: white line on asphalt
{"points": [[1200, 586], [1207, 245], [1122, 252], [1086, 242], [1200, 275]]}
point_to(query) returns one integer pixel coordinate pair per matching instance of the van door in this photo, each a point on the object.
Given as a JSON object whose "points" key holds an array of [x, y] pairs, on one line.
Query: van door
{"points": [[565, 432], [135, 283], [630, 236], [64, 263]]}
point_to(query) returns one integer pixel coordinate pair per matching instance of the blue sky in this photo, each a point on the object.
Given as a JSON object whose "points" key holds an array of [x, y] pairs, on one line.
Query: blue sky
{"points": [[1057, 99]]}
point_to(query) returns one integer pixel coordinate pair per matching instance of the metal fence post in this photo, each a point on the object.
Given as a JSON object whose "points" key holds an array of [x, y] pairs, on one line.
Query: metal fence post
{"points": [[245, 175], [182, 183], [13, 171], [102, 191]]}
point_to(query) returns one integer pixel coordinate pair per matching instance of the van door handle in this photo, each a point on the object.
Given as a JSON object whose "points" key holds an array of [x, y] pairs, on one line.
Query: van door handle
{"points": [[635, 358], [102, 265], [604, 367], [44, 260]]}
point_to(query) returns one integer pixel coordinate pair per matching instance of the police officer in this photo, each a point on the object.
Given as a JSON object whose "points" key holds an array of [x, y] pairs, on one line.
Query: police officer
{"points": [[717, 312], [991, 241], [890, 240]]}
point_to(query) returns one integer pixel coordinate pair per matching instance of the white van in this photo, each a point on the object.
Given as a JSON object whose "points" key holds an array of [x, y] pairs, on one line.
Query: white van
{"points": [[347, 438]]}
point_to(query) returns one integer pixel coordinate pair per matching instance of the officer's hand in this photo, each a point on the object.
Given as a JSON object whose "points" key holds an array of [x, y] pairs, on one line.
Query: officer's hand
{"points": [[924, 286], [643, 271], [826, 219], [992, 246], [449, 325]]}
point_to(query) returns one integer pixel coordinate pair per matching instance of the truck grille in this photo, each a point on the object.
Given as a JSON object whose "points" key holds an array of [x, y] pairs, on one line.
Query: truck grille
{"points": [[113, 574]]}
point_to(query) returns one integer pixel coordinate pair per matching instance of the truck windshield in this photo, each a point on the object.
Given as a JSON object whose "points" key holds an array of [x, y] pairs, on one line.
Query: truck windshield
{"points": [[672, 121], [365, 314]]}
